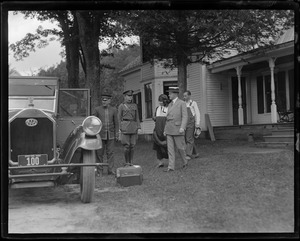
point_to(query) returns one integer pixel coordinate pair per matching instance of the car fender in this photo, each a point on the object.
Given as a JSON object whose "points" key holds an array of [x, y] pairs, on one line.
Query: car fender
{"points": [[78, 139]]}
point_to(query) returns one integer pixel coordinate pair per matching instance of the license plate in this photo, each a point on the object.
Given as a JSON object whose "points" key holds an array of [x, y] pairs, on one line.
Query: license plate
{"points": [[33, 160]]}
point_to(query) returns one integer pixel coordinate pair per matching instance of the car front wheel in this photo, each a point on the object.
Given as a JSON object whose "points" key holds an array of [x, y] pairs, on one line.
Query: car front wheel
{"points": [[87, 177]]}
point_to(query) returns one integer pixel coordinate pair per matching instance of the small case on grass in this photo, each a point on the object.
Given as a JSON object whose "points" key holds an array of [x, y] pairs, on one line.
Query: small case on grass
{"points": [[129, 175]]}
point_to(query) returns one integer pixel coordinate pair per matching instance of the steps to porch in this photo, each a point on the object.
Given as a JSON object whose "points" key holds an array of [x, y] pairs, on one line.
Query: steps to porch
{"points": [[280, 137], [260, 135]]}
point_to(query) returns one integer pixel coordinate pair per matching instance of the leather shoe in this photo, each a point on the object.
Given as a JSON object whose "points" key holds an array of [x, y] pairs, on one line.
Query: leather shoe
{"points": [[188, 158], [160, 165], [185, 166], [168, 170]]}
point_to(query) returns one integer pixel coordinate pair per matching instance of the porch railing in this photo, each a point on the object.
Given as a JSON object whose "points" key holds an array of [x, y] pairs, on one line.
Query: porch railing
{"points": [[285, 116]]}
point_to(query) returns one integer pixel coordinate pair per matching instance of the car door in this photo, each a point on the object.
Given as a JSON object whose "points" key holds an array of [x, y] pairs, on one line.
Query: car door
{"points": [[73, 108]]}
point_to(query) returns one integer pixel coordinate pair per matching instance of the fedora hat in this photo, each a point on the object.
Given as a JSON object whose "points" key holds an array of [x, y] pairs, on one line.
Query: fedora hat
{"points": [[173, 89]]}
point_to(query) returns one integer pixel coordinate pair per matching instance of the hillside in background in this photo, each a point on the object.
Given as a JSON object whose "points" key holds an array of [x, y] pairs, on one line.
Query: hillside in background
{"points": [[109, 77]]}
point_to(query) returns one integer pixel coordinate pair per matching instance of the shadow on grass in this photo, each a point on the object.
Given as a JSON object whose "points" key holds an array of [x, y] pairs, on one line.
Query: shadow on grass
{"points": [[219, 192]]}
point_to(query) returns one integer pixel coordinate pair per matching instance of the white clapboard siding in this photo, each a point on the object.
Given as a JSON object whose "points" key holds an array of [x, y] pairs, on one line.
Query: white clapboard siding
{"points": [[132, 81], [217, 97], [195, 85], [147, 72], [147, 126]]}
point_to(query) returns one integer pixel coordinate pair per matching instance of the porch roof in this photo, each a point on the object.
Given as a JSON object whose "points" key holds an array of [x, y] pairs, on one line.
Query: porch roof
{"points": [[129, 67], [284, 46]]}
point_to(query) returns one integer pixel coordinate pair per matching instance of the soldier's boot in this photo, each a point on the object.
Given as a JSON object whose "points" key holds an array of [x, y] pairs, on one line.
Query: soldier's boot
{"points": [[131, 156], [127, 156]]}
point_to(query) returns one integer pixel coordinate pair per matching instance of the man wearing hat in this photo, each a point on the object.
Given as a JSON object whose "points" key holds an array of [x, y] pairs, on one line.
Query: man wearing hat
{"points": [[129, 124], [177, 119], [109, 131]]}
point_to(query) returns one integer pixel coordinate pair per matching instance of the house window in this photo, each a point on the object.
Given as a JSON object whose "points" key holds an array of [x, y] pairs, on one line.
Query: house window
{"points": [[264, 100], [267, 82], [280, 91], [148, 100], [137, 98], [264, 94], [291, 88]]}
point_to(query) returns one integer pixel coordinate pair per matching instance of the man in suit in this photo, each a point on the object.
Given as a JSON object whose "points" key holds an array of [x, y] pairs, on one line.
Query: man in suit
{"points": [[177, 119], [110, 130]]}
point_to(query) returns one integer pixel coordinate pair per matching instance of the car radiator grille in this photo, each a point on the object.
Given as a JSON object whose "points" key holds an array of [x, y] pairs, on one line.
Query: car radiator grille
{"points": [[27, 140]]}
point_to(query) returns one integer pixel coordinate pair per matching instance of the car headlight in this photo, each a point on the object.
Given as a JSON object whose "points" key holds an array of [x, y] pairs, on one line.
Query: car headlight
{"points": [[92, 125]]}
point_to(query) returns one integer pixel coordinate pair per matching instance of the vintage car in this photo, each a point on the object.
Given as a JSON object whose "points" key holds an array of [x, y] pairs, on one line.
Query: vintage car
{"points": [[51, 135]]}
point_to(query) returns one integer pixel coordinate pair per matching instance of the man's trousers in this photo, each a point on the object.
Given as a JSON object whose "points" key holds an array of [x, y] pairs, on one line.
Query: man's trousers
{"points": [[129, 142], [179, 141], [108, 149]]}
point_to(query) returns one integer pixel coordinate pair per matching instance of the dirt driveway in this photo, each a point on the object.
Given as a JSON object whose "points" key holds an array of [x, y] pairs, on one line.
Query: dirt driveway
{"points": [[229, 188], [59, 210]]}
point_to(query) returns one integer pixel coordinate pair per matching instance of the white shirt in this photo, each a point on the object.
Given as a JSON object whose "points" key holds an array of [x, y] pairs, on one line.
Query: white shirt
{"points": [[195, 110], [161, 111], [175, 100]]}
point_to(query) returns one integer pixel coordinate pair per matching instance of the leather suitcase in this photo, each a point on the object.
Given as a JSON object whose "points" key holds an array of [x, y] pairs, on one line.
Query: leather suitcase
{"points": [[129, 175]]}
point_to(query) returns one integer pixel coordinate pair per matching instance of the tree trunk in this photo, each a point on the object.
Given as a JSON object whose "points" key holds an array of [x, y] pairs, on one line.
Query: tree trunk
{"points": [[182, 74], [73, 74], [72, 62], [88, 26], [71, 42], [182, 53]]}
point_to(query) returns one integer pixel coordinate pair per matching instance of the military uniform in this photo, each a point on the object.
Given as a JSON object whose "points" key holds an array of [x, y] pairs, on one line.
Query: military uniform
{"points": [[129, 124], [110, 128]]}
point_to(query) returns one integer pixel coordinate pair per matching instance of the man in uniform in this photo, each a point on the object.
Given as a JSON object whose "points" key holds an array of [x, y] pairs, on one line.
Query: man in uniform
{"points": [[193, 122], [109, 131], [129, 124]]}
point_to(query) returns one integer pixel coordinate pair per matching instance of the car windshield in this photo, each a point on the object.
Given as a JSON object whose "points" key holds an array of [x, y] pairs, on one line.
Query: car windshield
{"points": [[31, 90], [73, 103]]}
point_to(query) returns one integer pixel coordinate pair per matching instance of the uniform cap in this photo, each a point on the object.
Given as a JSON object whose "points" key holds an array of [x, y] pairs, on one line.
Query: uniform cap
{"points": [[128, 92], [173, 89], [106, 94]]}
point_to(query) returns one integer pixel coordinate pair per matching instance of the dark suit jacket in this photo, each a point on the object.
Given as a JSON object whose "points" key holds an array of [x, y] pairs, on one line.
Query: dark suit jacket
{"points": [[177, 117], [110, 123]]}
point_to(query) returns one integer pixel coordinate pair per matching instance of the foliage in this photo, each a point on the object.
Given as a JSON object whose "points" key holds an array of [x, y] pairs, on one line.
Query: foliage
{"points": [[110, 79], [110, 76], [40, 38], [13, 71], [59, 71], [66, 33], [186, 36], [80, 32], [178, 37]]}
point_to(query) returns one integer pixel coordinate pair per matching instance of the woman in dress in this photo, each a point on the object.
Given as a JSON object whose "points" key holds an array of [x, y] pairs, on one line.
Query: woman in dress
{"points": [[160, 141]]}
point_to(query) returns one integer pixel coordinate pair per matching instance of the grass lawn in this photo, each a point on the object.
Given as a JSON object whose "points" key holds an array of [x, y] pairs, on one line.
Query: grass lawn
{"points": [[231, 188]]}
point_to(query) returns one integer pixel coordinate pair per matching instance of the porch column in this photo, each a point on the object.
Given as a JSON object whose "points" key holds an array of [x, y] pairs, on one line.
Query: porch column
{"points": [[273, 104], [240, 110]]}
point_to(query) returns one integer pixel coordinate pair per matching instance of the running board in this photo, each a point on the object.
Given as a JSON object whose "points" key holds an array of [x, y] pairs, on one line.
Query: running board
{"points": [[32, 184], [59, 165], [39, 175]]}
